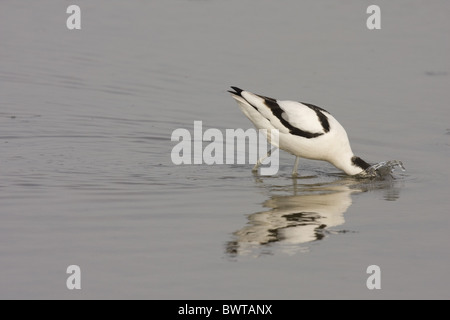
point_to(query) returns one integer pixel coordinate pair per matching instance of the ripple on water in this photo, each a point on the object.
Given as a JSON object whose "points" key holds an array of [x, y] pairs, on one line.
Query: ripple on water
{"points": [[382, 170]]}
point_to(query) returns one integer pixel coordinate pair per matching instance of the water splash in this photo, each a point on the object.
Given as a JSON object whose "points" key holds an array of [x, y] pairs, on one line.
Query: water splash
{"points": [[382, 169]]}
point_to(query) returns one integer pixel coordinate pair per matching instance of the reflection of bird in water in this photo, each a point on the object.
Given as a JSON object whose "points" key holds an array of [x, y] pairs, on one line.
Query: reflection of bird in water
{"points": [[293, 220]]}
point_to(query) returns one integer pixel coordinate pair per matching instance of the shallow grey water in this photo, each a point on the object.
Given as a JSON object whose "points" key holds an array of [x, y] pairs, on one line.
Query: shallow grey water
{"points": [[86, 176]]}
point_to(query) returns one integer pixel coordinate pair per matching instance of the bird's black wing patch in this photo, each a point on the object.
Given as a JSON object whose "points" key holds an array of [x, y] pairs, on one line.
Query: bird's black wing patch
{"points": [[320, 114], [278, 112]]}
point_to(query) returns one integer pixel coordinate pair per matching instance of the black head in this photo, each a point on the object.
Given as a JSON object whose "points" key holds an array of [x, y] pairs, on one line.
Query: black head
{"points": [[358, 162]]}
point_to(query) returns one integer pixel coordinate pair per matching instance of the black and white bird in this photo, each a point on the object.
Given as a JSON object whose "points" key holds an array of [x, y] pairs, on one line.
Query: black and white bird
{"points": [[305, 130]]}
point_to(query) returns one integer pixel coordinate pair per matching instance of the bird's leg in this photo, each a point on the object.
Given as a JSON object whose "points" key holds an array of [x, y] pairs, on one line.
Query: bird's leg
{"points": [[258, 164], [296, 163]]}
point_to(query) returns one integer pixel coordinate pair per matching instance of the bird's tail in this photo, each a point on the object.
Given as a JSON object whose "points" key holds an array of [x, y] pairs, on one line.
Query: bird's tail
{"points": [[237, 91]]}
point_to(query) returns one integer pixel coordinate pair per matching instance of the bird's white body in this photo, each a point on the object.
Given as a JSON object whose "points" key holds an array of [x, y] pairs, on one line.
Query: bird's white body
{"points": [[305, 130]]}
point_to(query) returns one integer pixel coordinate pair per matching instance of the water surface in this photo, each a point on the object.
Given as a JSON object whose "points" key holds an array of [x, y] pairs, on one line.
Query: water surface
{"points": [[86, 176]]}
